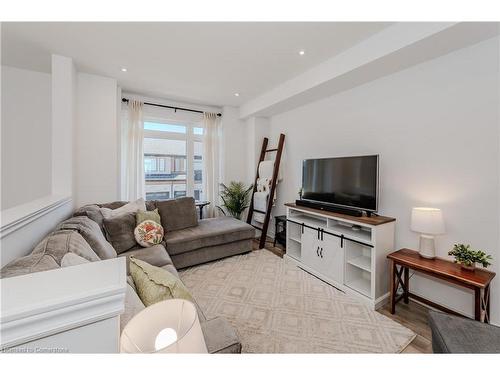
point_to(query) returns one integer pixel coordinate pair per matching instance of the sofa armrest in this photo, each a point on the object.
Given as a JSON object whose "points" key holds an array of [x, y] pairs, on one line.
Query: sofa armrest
{"points": [[220, 336]]}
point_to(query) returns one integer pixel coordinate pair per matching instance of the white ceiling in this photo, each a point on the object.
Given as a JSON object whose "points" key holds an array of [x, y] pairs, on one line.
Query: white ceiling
{"points": [[203, 63]]}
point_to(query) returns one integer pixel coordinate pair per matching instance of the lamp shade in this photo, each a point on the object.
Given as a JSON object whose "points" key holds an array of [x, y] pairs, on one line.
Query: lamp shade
{"points": [[170, 326], [427, 220]]}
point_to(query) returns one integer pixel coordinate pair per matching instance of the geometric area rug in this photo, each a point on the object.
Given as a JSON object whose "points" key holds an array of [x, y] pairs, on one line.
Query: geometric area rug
{"points": [[278, 308]]}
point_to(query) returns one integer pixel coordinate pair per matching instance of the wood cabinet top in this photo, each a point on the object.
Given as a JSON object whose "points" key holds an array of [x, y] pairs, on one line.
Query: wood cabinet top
{"points": [[442, 268], [372, 220]]}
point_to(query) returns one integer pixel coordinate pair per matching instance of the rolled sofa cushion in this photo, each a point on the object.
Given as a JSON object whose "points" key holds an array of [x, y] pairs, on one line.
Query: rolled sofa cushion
{"points": [[120, 231], [93, 212], [92, 233], [178, 213], [154, 284]]}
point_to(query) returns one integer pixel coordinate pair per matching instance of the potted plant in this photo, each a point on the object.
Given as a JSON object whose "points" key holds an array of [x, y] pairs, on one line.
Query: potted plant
{"points": [[467, 257], [235, 198]]}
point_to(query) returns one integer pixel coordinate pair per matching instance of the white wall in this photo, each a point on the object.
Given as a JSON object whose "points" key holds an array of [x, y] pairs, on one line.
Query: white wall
{"points": [[436, 129], [63, 124], [38, 148], [96, 140], [234, 146], [26, 136]]}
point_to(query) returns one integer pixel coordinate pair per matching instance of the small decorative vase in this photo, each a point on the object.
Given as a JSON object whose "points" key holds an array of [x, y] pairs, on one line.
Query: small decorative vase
{"points": [[471, 268]]}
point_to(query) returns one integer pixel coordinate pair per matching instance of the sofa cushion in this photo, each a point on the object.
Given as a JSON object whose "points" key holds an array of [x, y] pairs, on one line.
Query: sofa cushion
{"points": [[208, 232], [63, 241], [49, 253], [155, 255], [150, 205], [138, 205], [28, 264], [93, 212], [154, 284], [178, 213], [91, 232], [71, 259], [120, 231], [220, 336], [133, 306], [171, 268]]}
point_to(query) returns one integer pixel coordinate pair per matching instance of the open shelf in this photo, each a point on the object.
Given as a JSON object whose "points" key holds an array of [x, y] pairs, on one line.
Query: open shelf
{"points": [[293, 249], [313, 221], [363, 262], [363, 235], [358, 278], [294, 239], [361, 285]]}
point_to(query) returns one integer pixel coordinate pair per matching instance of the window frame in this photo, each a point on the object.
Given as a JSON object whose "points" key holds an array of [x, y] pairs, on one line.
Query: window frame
{"points": [[189, 137]]}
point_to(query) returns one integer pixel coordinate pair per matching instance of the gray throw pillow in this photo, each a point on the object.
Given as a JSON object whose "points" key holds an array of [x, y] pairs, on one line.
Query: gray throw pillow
{"points": [[178, 213], [120, 231]]}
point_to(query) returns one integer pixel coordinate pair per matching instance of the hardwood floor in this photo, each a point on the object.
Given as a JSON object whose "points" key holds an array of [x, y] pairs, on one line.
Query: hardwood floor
{"points": [[413, 316]]}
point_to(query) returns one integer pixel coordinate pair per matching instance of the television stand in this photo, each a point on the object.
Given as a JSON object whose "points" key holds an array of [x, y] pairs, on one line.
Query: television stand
{"points": [[324, 207], [348, 252]]}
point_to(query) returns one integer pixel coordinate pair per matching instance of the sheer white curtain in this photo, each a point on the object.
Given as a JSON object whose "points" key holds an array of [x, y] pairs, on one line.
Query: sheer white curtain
{"points": [[212, 160], [133, 152]]}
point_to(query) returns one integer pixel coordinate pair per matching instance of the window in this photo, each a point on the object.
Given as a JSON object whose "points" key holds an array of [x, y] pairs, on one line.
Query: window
{"points": [[173, 162]]}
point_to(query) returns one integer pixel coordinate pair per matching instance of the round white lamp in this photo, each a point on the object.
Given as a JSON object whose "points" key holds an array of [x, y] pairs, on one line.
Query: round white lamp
{"points": [[170, 326], [428, 222]]}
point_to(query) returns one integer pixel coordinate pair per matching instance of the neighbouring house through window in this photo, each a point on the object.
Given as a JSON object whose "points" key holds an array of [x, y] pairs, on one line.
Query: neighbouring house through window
{"points": [[173, 159]]}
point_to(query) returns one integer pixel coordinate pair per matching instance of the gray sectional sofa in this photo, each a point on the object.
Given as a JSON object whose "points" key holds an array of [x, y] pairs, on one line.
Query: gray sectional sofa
{"points": [[210, 239]]}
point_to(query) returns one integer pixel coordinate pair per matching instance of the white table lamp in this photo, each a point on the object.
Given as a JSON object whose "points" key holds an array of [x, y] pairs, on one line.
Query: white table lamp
{"points": [[170, 326], [428, 222]]}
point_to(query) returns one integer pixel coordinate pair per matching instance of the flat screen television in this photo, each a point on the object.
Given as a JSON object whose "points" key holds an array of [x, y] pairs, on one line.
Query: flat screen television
{"points": [[344, 182]]}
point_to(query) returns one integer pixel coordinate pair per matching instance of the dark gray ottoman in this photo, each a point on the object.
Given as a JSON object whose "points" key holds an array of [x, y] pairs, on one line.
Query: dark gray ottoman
{"points": [[454, 334]]}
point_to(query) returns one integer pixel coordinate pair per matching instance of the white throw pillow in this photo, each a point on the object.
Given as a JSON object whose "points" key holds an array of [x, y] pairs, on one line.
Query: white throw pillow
{"points": [[135, 206], [71, 259]]}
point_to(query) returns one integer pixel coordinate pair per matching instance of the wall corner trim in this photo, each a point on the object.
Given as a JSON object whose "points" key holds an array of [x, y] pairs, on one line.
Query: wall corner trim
{"points": [[17, 217], [43, 304]]}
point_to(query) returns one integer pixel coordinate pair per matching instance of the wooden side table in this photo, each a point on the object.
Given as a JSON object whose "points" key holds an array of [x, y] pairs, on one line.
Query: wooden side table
{"points": [[478, 280], [280, 230], [200, 205]]}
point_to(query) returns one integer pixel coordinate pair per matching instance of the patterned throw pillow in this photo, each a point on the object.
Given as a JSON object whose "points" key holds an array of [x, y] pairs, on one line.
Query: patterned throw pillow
{"points": [[148, 233]]}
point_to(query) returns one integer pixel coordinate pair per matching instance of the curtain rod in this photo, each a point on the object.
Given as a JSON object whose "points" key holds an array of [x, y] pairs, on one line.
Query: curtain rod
{"points": [[125, 100]]}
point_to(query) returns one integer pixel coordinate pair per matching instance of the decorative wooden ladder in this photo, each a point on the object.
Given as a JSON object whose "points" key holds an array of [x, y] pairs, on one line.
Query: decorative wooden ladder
{"points": [[264, 150]]}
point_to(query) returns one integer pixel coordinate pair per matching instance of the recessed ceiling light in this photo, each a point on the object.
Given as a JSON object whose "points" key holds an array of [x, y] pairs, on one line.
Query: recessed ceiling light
{"points": [[236, 94], [124, 69], [302, 52]]}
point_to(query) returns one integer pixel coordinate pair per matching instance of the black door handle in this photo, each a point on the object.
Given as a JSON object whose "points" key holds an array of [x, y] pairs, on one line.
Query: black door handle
{"points": [[317, 251], [321, 253]]}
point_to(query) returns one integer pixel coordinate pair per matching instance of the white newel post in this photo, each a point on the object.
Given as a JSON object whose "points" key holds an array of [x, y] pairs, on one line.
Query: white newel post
{"points": [[73, 309]]}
